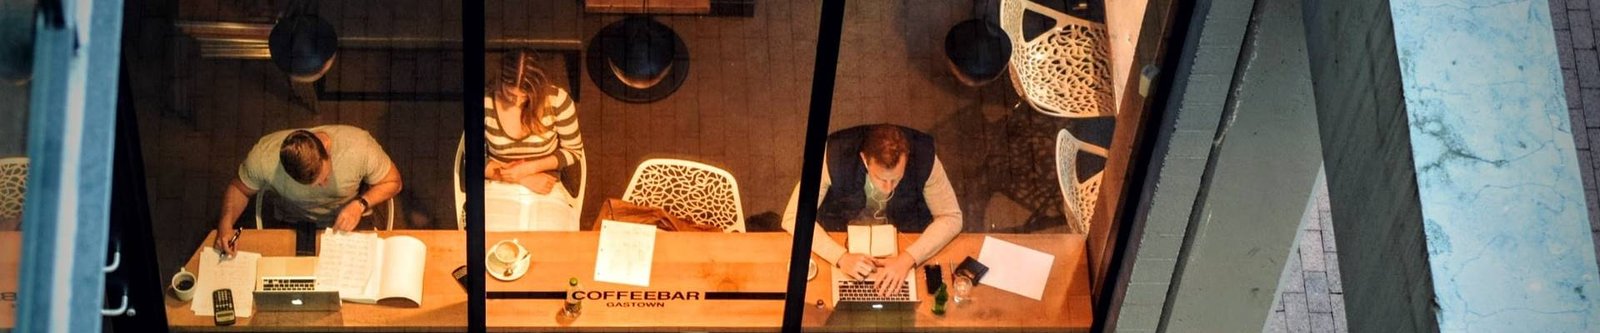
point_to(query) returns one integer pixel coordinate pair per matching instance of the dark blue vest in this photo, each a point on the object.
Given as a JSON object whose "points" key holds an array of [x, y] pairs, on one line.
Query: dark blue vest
{"points": [[846, 197]]}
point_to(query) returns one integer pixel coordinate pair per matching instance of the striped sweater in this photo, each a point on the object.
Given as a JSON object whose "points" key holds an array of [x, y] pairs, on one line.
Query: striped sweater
{"points": [[563, 141]]}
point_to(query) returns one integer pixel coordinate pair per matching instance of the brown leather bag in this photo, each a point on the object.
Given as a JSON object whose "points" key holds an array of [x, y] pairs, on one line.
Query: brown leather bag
{"points": [[623, 211]]}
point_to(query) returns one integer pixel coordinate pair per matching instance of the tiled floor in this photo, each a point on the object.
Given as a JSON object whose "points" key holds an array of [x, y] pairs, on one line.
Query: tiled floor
{"points": [[742, 108], [892, 69], [1576, 23], [1311, 297], [197, 118]]}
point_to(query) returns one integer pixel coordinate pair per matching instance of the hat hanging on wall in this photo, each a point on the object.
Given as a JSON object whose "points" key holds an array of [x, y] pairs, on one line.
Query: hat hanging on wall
{"points": [[637, 60], [303, 46]]}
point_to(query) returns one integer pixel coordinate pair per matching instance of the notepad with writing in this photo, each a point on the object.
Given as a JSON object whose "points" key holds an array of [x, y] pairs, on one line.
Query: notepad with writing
{"points": [[876, 240], [367, 269]]}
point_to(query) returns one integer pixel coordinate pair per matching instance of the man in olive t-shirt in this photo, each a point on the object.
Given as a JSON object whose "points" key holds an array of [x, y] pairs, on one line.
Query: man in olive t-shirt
{"points": [[318, 171]]}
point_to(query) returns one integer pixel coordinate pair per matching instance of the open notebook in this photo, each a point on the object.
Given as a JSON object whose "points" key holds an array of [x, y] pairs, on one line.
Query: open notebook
{"points": [[368, 269], [876, 240]]}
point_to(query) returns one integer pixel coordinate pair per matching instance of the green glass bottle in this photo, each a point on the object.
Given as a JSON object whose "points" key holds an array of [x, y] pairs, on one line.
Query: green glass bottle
{"points": [[939, 298], [574, 306]]}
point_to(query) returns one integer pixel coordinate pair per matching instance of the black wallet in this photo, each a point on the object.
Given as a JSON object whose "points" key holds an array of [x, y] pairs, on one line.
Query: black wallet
{"points": [[972, 269]]}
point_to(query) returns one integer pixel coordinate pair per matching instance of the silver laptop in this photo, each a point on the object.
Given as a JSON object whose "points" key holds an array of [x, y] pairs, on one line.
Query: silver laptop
{"points": [[850, 294], [290, 284]]}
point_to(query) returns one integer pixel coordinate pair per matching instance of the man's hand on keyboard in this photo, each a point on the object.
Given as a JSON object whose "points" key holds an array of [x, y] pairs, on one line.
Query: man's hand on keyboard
{"points": [[856, 266], [892, 273]]}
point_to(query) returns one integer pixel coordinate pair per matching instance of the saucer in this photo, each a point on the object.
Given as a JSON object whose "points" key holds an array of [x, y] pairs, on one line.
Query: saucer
{"points": [[811, 270], [498, 270]]}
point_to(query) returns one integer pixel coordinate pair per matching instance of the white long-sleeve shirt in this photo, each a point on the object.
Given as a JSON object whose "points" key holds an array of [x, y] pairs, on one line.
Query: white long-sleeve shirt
{"points": [[941, 199]]}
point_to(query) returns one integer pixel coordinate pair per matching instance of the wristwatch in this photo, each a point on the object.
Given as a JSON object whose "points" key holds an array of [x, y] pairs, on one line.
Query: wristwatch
{"points": [[364, 205]]}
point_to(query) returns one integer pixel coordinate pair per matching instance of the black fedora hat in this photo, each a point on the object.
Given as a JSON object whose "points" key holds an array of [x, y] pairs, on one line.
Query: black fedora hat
{"points": [[303, 46], [637, 60]]}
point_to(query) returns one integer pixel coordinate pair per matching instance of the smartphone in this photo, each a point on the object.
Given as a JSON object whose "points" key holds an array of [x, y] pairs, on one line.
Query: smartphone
{"points": [[222, 303], [935, 279]]}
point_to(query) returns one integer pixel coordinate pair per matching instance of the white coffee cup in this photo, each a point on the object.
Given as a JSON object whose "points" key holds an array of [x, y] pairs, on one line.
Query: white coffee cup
{"points": [[508, 252], [183, 276]]}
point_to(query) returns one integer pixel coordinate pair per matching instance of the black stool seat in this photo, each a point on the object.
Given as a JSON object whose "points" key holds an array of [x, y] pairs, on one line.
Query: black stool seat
{"points": [[978, 51], [637, 60], [303, 46]]}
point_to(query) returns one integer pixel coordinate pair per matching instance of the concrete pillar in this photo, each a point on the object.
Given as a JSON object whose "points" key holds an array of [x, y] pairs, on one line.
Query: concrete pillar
{"points": [[1263, 164], [1451, 169], [1236, 171]]}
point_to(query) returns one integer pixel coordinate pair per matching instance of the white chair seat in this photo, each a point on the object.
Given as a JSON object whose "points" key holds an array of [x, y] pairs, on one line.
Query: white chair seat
{"points": [[1064, 72], [687, 189]]}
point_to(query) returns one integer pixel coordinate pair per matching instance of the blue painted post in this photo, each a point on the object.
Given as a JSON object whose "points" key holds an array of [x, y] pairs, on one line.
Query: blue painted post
{"points": [[72, 122], [1507, 234]]}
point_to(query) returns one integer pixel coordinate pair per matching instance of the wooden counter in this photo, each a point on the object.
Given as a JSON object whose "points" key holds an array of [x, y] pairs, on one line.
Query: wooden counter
{"points": [[444, 302], [1065, 307], [702, 262], [746, 270], [10, 263]]}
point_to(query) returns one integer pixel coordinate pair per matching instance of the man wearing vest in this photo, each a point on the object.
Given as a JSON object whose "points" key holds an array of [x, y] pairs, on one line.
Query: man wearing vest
{"points": [[876, 172]]}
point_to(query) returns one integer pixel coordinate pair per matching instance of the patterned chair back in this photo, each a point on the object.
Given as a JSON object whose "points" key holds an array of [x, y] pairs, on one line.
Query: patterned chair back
{"points": [[1064, 72], [1078, 196], [13, 186], [687, 189]]}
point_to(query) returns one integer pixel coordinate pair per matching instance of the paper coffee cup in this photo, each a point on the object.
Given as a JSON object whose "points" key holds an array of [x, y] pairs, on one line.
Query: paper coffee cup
{"points": [[183, 284]]}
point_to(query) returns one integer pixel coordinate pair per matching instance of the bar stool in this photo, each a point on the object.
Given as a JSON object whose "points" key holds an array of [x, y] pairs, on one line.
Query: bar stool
{"points": [[976, 52], [637, 60]]}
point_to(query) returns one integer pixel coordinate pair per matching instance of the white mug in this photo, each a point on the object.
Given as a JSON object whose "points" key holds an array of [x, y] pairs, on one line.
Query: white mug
{"points": [[509, 252], [183, 294]]}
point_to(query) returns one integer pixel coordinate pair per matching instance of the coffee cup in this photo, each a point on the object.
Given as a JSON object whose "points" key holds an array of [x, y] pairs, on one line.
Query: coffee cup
{"points": [[508, 253], [183, 285]]}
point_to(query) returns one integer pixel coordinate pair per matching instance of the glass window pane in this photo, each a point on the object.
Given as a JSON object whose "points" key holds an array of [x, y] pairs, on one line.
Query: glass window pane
{"points": [[683, 121], [966, 130], [274, 122], [16, 51]]}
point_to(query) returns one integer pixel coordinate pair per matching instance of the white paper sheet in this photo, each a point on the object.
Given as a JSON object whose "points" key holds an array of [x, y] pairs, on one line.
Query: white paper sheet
{"points": [[626, 253], [1015, 268], [346, 262], [237, 273], [512, 207]]}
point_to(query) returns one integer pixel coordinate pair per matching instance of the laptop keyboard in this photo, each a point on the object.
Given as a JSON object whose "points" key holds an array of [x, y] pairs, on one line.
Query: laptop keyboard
{"points": [[865, 290], [288, 284]]}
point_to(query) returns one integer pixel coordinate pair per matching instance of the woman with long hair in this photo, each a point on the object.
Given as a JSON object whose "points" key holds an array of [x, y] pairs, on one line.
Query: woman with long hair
{"points": [[531, 127]]}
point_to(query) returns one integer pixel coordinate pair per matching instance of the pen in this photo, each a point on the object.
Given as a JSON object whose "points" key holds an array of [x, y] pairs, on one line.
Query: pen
{"points": [[234, 242]]}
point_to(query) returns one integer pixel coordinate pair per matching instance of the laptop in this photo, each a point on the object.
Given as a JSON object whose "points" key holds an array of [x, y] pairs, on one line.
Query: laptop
{"points": [[860, 295], [290, 284]]}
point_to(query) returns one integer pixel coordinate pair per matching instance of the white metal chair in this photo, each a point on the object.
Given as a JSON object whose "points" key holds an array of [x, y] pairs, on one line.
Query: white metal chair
{"points": [[461, 194], [1064, 72], [1078, 196], [687, 189], [13, 186], [388, 205]]}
